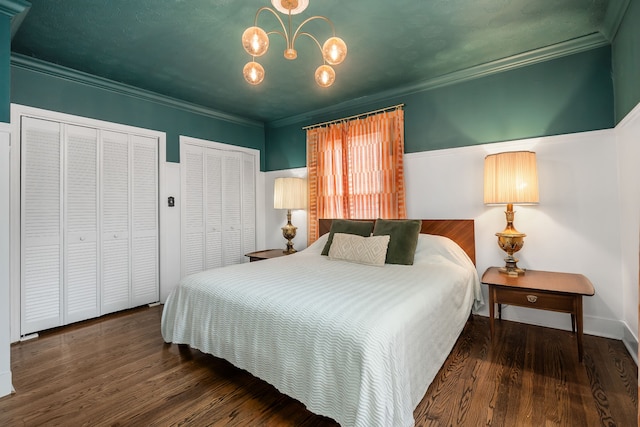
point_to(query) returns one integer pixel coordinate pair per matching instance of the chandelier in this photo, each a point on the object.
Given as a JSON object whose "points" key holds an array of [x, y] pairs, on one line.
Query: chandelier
{"points": [[256, 42]]}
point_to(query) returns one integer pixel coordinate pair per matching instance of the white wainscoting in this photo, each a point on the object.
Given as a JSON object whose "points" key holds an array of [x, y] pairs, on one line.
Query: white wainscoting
{"points": [[575, 228], [628, 147]]}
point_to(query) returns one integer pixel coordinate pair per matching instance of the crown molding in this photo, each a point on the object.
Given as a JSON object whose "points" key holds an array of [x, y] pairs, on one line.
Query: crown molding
{"points": [[13, 7], [613, 17], [547, 53], [16, 10], [58, 71]]}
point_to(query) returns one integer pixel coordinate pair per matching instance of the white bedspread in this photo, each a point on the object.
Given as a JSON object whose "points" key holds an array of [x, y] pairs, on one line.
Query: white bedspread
{"points": [[357, 343]]}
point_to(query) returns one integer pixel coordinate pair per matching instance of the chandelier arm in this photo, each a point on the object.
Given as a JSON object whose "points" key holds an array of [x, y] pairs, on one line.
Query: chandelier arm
{"points": [[283, 33], [284, 36], [313, 18], [315, 40]]}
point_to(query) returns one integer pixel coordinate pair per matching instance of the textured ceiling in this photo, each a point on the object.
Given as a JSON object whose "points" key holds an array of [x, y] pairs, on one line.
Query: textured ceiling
{"points": [[191, 50]]}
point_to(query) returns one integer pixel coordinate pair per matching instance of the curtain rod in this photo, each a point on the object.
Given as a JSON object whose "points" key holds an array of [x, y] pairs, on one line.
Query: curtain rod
{"points": [[393, 107]]}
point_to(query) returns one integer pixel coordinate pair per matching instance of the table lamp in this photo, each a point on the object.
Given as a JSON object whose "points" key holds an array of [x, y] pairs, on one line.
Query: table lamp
{"points": [[511, 178], [289, 193]]}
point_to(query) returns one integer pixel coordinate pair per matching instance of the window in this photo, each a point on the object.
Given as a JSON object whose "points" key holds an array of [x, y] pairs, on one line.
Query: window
{"points": [[355, 169]]}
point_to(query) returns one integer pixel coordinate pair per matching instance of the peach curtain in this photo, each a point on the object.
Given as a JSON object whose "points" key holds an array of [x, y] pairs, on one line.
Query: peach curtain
{"points": [[355, 169]]}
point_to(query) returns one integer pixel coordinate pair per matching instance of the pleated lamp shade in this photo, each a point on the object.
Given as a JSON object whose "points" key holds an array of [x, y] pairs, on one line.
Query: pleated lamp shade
{"points": [[290, 193], [511, 178]]}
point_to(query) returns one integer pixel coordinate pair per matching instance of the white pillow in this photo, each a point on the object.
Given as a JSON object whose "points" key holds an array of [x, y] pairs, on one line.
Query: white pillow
{"points": [[430, 245], [362, 250], [317, 246]]}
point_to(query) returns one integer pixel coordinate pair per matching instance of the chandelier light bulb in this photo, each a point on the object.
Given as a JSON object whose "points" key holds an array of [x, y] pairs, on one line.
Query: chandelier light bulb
{"points": [[325, 76], [255, 41], [253, 73], [334, 50]]}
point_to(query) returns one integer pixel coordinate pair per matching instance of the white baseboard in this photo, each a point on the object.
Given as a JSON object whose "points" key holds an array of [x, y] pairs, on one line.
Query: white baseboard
{"points": [[631, 342], [606, 328], [5, 384], [600, 327]]}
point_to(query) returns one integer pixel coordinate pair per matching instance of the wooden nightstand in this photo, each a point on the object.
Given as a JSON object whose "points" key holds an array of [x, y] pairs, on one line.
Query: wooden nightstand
{"points": [[543, 290], [266, 254]]}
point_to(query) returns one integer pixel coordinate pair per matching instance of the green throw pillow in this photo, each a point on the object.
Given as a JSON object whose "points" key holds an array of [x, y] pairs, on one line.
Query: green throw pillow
{"points": [[347, 226], [403, 238]]}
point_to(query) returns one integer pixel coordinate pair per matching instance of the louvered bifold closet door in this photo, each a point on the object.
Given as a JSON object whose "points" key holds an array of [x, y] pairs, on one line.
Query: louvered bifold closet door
{"points": [[80, 224], [248, 204], [41, 214], [231, 208], [115, 266], [213, 197], [144, 212], [193, 208]]}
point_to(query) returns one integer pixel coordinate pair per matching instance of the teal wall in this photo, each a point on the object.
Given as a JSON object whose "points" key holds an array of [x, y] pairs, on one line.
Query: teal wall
{"points": [[5, 71], [565, 95], [626, 62], [42, 90]]}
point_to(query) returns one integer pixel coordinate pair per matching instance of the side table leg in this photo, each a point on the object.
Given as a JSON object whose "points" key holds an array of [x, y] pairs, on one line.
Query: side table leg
{"points": [[491, 309], [578, 305], [573, 323]]}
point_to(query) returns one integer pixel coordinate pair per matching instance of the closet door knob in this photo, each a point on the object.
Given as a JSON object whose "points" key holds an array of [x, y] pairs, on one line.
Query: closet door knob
{"points": [[82, 239]]}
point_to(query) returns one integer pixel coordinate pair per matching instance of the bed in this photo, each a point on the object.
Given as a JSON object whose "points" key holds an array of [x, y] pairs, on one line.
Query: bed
{"points": [[357, 343]]}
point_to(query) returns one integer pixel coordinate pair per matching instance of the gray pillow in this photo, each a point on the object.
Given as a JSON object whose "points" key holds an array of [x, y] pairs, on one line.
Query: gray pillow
{"points": [[403, 238], [347, 226]]}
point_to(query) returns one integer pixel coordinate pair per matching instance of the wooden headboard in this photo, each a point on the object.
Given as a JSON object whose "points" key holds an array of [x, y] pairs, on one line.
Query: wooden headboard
{"points": [[461, 231]]}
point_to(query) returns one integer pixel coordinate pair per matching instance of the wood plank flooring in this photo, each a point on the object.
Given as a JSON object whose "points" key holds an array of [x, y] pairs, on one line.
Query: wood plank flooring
{"points": [[117, 371]]}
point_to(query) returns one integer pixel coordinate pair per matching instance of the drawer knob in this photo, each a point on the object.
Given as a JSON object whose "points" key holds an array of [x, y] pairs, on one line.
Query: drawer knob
{"points": [[532, 298]]}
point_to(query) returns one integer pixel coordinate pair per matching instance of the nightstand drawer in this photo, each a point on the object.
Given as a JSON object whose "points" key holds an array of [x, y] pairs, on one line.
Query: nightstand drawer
{"points": [[535, 299]]}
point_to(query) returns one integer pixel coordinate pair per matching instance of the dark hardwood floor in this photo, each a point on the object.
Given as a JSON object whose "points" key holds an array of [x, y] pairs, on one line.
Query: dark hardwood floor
{"points": [[117, 371]]}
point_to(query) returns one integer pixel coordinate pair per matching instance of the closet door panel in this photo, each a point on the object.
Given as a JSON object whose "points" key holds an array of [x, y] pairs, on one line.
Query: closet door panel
{"points": [[213, 197], [231, 190], [115, 260], [232, 209], [41, 213], [115, 275], [218, 209], [232, 244], [193, 209], [81, 289], [249, 241], [144, 171], [41, 299], [248, 204], [80, 224]]}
